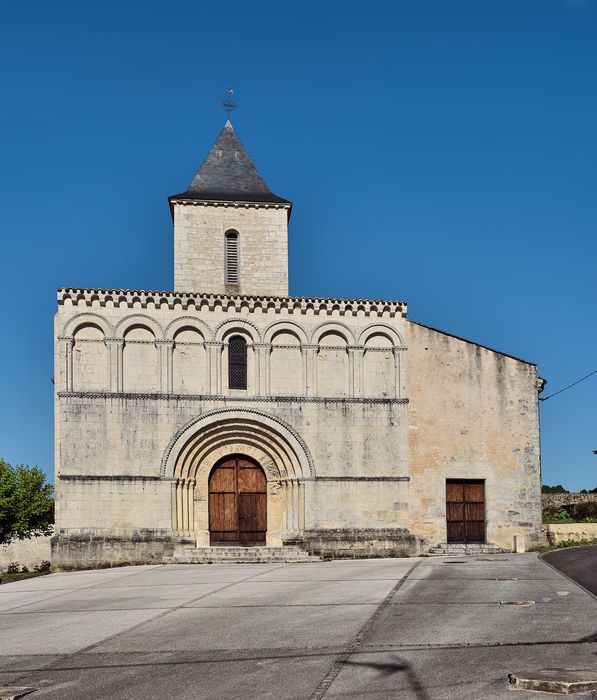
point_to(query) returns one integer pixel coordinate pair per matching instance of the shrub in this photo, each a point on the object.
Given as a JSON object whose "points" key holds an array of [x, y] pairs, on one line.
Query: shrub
{"points": [[556, 515], [13, 568], [24, 569], [43, 566], [585, 511]]}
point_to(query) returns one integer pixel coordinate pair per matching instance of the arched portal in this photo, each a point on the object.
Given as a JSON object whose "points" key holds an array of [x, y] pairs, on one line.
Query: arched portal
{"points": [[237, 502], [207, 441]]}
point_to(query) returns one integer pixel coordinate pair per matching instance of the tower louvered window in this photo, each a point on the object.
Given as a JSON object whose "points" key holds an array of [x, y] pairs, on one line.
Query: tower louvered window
{"points": [[231, 262], [237, 362]]}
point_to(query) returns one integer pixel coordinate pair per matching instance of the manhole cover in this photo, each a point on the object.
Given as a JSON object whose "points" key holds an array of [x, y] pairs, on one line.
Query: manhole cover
{"points": [[556, 680], [517, 602], [456, 561]]}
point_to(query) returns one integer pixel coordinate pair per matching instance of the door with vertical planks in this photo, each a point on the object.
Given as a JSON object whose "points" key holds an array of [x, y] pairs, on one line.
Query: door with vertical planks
{"points": [[237, 503], [465, 511]]}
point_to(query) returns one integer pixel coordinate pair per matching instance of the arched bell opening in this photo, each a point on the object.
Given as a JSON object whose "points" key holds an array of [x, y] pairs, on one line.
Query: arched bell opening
{"points": [[237, 507]]}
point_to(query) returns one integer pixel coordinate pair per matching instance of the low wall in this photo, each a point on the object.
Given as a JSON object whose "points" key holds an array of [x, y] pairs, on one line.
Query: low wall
{"points": [[557, 500], [362, 543], [29, 552], [573, 531], [97, 549]]}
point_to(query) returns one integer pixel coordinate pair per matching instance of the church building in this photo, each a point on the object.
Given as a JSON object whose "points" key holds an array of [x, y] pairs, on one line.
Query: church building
{"points": [[227, 418]]}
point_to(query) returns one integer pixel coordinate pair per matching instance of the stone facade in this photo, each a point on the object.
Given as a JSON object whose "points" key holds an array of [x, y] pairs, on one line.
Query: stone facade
{"points": [[356, 415], [199, 234]]}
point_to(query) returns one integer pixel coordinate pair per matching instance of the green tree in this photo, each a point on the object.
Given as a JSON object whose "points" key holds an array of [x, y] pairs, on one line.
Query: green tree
{"points": [[26, 503], [553, 489]]}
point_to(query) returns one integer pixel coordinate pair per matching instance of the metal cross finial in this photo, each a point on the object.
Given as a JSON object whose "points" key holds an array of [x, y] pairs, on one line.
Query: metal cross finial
{"points": [[228, 104]]}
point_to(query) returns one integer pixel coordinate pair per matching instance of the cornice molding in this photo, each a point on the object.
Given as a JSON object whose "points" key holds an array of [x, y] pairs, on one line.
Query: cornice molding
{"points": [[125, 396], [128, 298]]}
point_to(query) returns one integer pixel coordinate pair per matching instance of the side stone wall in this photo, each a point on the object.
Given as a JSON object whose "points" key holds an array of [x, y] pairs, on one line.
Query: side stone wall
{"points": [[29, 552], [473, 414]]}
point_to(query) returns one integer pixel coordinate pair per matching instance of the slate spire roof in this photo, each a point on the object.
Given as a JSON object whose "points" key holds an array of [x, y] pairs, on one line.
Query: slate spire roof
{"points": [[228, 174]]}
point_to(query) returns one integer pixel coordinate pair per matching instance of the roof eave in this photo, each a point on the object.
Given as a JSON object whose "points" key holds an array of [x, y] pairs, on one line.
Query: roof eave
{"points": [[186, 198]]}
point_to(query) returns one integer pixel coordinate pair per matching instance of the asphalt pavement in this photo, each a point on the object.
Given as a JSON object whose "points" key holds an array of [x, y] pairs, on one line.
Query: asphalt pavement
{"points": [[579, 563], [414, 629]]}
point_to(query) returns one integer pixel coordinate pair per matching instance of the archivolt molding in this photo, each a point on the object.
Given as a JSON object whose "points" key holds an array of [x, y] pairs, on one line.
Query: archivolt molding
{"points": [[381, 329], [188, 322], [285, 326], [85, 319], [245, 426], [333, 327], [128, 322], [242, 325]]}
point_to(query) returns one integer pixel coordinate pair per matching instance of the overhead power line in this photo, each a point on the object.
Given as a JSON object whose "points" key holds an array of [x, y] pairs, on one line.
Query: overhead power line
{"points": [[578, 381]]}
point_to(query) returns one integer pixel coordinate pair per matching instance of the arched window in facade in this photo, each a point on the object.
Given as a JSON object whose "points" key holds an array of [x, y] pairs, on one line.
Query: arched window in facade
{"points": [[237, 362], [231, 257]]}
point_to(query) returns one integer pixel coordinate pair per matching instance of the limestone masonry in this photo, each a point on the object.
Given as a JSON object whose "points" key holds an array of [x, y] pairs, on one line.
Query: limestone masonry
{"points": [[229, 413]]}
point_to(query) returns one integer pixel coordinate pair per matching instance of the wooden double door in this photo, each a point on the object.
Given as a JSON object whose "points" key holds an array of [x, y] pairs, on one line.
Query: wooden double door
{"points": [[465, 510], [237, 503]]}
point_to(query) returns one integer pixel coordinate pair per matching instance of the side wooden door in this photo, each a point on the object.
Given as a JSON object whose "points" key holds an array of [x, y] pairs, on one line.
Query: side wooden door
{"points": [[237, 503], [465, 511]]}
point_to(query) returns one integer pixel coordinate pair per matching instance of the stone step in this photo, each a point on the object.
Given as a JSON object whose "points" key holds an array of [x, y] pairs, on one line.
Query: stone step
{"points": [[454, 550], [239, 555]]}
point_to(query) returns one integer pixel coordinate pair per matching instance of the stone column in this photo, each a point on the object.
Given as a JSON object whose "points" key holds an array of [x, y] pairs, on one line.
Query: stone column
{"points": [[262, 368], [208, 363], [295, 505], [354, 371], [165, 351], [301, 506], [397, 377], [310, 383], [173, 504], [68, 375], [185, 505], [304, 364], [112, 349], [218, 352], [191, 506], [179, 523], [114, 346], [214, 366]]}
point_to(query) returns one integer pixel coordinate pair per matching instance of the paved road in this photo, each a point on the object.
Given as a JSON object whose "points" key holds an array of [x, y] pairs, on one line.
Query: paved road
{"points": [[580, 563], [417, 629]]}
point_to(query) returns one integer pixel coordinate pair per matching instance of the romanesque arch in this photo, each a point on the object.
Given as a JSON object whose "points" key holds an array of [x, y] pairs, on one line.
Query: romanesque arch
{"points": [[87, 319], [207, 439]]}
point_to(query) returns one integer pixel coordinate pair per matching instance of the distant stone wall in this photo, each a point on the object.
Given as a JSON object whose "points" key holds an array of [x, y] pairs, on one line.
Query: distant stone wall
{"points": [[29, 552], [558, 500]]}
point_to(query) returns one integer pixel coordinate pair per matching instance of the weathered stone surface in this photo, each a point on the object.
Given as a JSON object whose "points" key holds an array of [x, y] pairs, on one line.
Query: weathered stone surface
{"points": [[362, 543], [556, 680], [92, 549], [356, 415]]}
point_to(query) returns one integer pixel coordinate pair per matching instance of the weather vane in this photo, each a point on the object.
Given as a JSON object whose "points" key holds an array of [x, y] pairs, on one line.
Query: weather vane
{"points": [[228, 104]]}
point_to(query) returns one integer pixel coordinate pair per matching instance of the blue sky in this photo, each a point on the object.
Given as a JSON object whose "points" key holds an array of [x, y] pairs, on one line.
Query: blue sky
{"points": [[439, 152]]}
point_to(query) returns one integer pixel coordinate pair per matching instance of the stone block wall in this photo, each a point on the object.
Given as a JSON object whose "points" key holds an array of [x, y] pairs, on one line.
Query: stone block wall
{"points": [[559, 500], [473, 414], [29, 552], [199, 239]]}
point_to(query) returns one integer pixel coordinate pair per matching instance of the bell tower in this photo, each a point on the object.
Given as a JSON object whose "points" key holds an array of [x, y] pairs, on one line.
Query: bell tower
{"points": [[230, 229]]}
